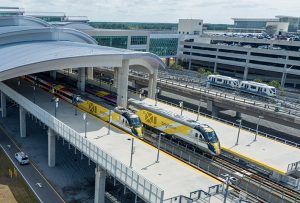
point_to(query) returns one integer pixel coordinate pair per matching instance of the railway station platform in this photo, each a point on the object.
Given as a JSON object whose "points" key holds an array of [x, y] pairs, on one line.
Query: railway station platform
{"points": [[174, 177], [265, 155]]}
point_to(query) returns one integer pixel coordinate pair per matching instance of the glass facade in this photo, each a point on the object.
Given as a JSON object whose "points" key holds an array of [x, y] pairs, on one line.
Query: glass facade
{"points": [[138, 40], [294, 23], [50, 18], [164, 47], [250, 24], [112, 41]]}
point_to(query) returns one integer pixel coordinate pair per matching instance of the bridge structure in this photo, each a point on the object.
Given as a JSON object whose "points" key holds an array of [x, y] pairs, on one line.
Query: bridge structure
{"points": [[218, 101]]}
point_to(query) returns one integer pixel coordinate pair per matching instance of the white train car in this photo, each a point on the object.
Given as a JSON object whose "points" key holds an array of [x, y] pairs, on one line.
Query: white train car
{"points": [[223, 81], [257, 89]]}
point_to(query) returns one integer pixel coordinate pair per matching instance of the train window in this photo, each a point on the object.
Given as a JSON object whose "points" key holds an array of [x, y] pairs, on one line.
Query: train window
{"points": [[219, 80], [196, 135], [252, 87]]}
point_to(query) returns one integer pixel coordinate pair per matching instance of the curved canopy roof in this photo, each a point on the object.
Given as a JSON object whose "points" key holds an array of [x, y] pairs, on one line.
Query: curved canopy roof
{"points": [[34, 46]]}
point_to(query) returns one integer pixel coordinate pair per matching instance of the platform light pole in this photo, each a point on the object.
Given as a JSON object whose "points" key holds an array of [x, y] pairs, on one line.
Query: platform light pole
{"points": [[181, 106], [228, 180], [238, 136], [132, 152], [110, 84], [259, 118], [85, 124], [33, 92], [76, 99], [55, 100], [109, 122], [158, 147], [19, 84], [156, 92], [199, 108]]}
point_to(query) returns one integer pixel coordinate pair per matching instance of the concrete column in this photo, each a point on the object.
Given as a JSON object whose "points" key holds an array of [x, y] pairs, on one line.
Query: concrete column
{"points": [[123, 84], [215, 67], [128, 41], [148, 43], [152, 84], [22, 121], [81, 79], [90, 73], [245, 73], [116, 75], [245, 76], [51, 148], [212, 108], [53, 74], [100, 177], [3, 105]]}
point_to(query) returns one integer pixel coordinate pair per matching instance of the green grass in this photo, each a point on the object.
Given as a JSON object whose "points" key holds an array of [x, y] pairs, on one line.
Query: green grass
{"points": [[17, 185]]}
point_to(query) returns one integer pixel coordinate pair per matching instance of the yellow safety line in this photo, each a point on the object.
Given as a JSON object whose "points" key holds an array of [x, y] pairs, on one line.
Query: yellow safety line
{"points": [[272, 140], [253, 161], [126, 133], [32, 163]]}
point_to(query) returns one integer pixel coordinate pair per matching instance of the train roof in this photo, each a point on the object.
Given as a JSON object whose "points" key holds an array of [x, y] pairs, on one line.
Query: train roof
{"points": [[256, 83], [173, 116], [223, 77], [122, 110]]}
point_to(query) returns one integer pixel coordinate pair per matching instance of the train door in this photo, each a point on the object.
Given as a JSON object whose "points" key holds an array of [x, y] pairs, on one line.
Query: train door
{"points": [[260, 90]]}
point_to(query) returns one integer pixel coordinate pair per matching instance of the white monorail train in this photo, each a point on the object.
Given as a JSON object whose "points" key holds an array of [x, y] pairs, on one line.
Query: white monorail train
{"points": [[250, 87]]}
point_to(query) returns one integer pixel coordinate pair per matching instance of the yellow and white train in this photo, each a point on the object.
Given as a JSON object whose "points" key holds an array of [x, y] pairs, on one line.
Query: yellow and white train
{"points": [[120, 117], [190, 132]]}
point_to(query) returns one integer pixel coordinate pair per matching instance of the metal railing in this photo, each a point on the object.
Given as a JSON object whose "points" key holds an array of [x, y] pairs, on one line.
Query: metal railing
{"points": [[289, 109], [294, 144], [135, 182], [273, 137]]}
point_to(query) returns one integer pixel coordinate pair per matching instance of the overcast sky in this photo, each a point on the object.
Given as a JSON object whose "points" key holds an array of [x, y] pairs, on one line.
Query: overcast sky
{"points": [[211, 11]]}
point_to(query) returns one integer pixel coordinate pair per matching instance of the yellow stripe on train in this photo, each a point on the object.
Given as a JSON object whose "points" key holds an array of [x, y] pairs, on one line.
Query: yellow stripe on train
{"points": [[102, 93], [98, 111], [163, 124]]}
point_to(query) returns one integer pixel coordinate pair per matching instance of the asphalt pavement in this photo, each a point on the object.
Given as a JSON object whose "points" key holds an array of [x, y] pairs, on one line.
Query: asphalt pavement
{"points": [[32, 176]]}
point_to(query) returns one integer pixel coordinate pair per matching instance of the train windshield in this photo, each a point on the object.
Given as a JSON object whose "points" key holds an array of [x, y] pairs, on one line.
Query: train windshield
{"points": [[273, 89], [212, 137], [136, 122]]}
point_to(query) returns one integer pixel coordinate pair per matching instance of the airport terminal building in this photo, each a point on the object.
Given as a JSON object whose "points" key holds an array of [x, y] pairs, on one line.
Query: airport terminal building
{"points": [[244, 56]]}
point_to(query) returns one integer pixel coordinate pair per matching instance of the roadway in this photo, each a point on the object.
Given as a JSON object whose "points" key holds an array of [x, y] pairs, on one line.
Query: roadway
{"points": [[46, 193], [172, 175]]}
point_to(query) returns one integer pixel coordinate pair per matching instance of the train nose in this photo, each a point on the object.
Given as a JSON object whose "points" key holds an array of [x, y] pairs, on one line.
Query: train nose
{"points": [[217, 147], [139, 132]]}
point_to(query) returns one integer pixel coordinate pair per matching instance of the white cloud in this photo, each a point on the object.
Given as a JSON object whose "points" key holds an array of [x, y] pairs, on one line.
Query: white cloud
{"points": [[214, 11]]}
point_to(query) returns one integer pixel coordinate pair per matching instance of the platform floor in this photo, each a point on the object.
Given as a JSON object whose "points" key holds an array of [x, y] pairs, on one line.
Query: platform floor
{"points": [[266, 152], [171, 175]]}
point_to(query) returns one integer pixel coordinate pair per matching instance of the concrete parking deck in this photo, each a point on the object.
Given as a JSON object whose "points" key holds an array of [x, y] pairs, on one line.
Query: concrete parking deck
{"points": [[171, 175]]}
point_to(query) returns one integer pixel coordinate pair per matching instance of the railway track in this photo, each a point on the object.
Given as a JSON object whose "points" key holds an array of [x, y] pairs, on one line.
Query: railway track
{"points": [[284, 192], [257, 187]]}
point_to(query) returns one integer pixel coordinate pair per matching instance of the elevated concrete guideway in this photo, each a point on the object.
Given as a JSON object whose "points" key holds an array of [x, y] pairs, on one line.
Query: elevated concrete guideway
{"points": [[54, 48], [217, 102]]}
